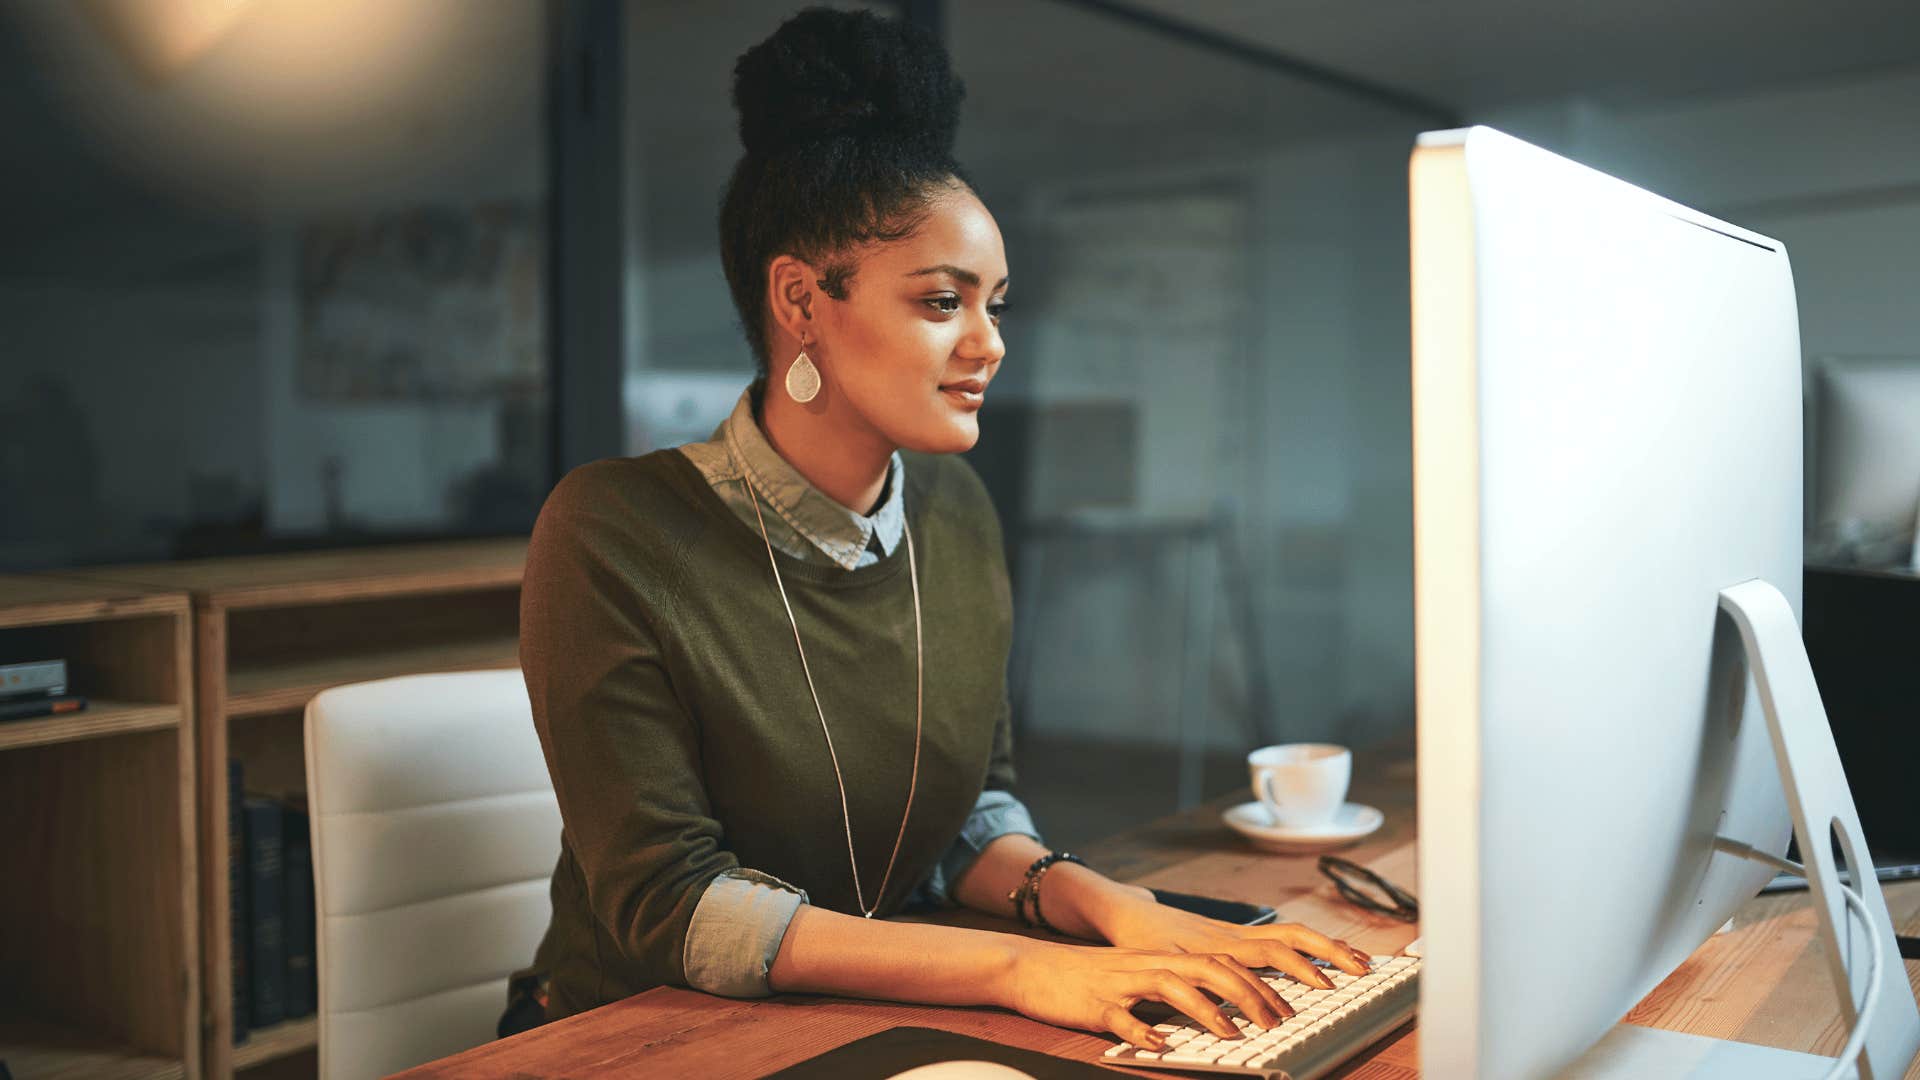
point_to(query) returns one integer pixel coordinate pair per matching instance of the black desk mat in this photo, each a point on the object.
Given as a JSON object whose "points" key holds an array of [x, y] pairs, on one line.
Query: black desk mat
{"points": [[899, 1049]]}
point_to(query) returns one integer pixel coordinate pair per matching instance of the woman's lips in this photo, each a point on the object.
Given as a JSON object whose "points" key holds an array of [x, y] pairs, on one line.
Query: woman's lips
{"points": [[967, 393]]}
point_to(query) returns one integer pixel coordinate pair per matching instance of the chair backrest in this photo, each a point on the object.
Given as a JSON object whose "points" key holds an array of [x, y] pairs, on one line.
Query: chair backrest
{"points": [[435, 833]]}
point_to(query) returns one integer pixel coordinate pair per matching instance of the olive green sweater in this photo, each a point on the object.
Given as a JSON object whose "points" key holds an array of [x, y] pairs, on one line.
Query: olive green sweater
{"points": [[676, 720]]}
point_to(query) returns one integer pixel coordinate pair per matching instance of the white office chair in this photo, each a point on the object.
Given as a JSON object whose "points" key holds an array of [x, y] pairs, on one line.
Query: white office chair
{"points": [[435, 832]]}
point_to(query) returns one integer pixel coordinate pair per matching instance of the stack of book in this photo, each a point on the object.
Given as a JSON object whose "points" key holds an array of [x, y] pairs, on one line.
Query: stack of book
{"points": [[270, 877], [36, 688]]}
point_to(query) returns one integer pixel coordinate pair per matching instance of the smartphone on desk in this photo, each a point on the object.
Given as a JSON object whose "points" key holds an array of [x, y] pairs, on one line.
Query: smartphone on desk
{"points": [[1231, 911]]}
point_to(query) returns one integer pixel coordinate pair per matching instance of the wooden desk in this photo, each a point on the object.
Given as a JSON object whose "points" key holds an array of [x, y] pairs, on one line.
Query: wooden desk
{"points": [[1761, 983]]}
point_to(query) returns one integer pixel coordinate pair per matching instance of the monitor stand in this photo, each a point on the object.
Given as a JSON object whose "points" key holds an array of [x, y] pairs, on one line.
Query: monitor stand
{"points": [[1818, 795]]}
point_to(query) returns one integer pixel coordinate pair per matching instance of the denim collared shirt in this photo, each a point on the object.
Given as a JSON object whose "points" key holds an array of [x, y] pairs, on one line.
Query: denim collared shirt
{"points": [[743, 915], [802, 520]]}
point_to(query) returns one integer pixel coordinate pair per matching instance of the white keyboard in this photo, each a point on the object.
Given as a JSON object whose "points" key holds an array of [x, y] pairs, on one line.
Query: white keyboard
{"points": [[1327, 1028]]}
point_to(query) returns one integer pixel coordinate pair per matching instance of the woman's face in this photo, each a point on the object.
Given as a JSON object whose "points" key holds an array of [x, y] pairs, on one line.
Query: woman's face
{"points": [[914, 345]]}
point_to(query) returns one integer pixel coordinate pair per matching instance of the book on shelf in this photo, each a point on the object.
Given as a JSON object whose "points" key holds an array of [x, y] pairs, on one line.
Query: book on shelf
{"points": [[27, 708], [266, 909], [238, 925], [33, 679], [301, 987]]}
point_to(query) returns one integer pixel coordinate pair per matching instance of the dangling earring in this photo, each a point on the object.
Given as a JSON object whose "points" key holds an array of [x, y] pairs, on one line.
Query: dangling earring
{"points": [[803, 379]]}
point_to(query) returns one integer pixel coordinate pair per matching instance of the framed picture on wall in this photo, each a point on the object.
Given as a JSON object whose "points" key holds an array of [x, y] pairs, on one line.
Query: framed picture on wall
{"points": [[434, 303]]}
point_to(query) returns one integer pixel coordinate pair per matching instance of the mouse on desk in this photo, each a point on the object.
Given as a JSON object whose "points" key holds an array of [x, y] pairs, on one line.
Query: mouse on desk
{"points": [[962, 1070]]}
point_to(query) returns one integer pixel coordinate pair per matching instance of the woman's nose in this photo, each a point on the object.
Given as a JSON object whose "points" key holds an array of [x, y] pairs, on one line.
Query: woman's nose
{"points": [[983, 342]]}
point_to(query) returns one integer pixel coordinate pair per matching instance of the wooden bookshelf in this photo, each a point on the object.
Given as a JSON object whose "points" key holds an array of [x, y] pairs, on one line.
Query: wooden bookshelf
{"points": [[101, 717], [100, 920], [289, 685], [274, 1043], [48, 1052], [269, 633]]}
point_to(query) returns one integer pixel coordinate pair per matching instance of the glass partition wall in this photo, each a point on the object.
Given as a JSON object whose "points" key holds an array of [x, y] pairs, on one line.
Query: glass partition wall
{"points": [[1198, 442], [274, 276]]}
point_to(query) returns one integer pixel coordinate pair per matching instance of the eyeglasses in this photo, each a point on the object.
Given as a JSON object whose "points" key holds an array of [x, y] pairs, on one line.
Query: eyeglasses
{"points": [[1355, 882]]}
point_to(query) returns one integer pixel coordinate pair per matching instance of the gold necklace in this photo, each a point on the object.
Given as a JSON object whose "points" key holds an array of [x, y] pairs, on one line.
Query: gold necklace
{"points": [[920, 671]]}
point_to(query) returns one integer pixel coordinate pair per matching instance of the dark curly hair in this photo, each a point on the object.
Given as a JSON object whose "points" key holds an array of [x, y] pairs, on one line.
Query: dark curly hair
{"points": [[848, 121]]}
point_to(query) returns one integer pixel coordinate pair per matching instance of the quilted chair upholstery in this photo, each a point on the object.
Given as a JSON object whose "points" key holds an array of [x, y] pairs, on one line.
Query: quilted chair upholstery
{"points": [[435, 832]]}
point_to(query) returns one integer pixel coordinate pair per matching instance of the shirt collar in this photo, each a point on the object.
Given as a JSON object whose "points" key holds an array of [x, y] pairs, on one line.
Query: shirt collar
{"points": [[840, 533]]}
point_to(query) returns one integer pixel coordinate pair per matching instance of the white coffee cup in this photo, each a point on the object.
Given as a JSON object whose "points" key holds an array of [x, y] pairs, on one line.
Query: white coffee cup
{"points": [[1301, 784]]}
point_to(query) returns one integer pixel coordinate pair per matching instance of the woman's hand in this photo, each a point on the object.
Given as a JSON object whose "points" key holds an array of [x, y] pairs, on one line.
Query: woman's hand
{"points": [[1137, 924], [1093, 987]]}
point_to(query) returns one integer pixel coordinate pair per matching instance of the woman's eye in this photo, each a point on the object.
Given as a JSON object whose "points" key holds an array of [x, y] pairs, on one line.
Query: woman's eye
{"points": [[947, 305]]}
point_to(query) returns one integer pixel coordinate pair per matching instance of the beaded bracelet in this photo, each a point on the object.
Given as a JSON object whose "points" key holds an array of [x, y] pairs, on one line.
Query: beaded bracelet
{"points": [[1030, 887], [1018, 897]]}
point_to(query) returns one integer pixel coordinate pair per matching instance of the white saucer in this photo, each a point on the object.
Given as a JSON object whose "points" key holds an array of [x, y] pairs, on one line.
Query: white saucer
{"points": [[1350, 823]]}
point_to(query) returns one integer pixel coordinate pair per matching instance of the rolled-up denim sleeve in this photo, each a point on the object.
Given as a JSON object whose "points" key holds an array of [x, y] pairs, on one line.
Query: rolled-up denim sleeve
{"points": [[736, 932], [995, 814]]}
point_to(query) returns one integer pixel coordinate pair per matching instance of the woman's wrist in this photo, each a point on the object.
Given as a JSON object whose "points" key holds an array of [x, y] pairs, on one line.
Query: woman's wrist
{"points": [[1023, 966], [1083, 903]]}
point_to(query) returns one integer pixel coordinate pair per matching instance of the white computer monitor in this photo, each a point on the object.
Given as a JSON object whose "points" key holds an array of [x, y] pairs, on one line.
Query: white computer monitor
{"points": [[1607, 434]]}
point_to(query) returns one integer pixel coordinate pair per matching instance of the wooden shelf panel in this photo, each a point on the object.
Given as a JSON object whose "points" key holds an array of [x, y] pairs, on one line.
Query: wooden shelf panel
{"points": [[271, 1043], [100, 718], [330, 576], [38, 600], [282, 687], [48, 1053]]}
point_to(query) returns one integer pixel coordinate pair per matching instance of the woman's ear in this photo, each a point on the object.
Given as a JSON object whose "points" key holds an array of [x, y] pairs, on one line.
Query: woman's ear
{"points": [[790, 295]]}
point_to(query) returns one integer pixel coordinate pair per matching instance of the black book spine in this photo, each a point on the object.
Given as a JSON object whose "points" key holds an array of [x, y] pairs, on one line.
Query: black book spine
{"points": [[29, 708], [266, 853], [237, 922], [301, 986]]}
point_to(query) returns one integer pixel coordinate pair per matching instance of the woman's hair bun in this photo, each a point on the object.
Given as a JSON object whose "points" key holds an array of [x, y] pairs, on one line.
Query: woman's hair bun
{"points": [[826, 74]]}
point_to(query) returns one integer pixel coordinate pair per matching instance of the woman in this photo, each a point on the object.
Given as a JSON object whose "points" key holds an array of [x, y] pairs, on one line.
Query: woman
{"points": [[768, 670]]}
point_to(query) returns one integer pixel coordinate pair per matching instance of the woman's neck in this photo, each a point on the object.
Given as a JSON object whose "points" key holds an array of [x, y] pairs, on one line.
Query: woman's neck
{"points": [[836, 451]]}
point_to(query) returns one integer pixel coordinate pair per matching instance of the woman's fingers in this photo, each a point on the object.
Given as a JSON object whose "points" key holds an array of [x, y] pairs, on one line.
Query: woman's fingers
{"points": [[1131, 1028], [1315, 943], [1218, 974], [1280, 955], [1170, 987], [1277, 1007]]}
